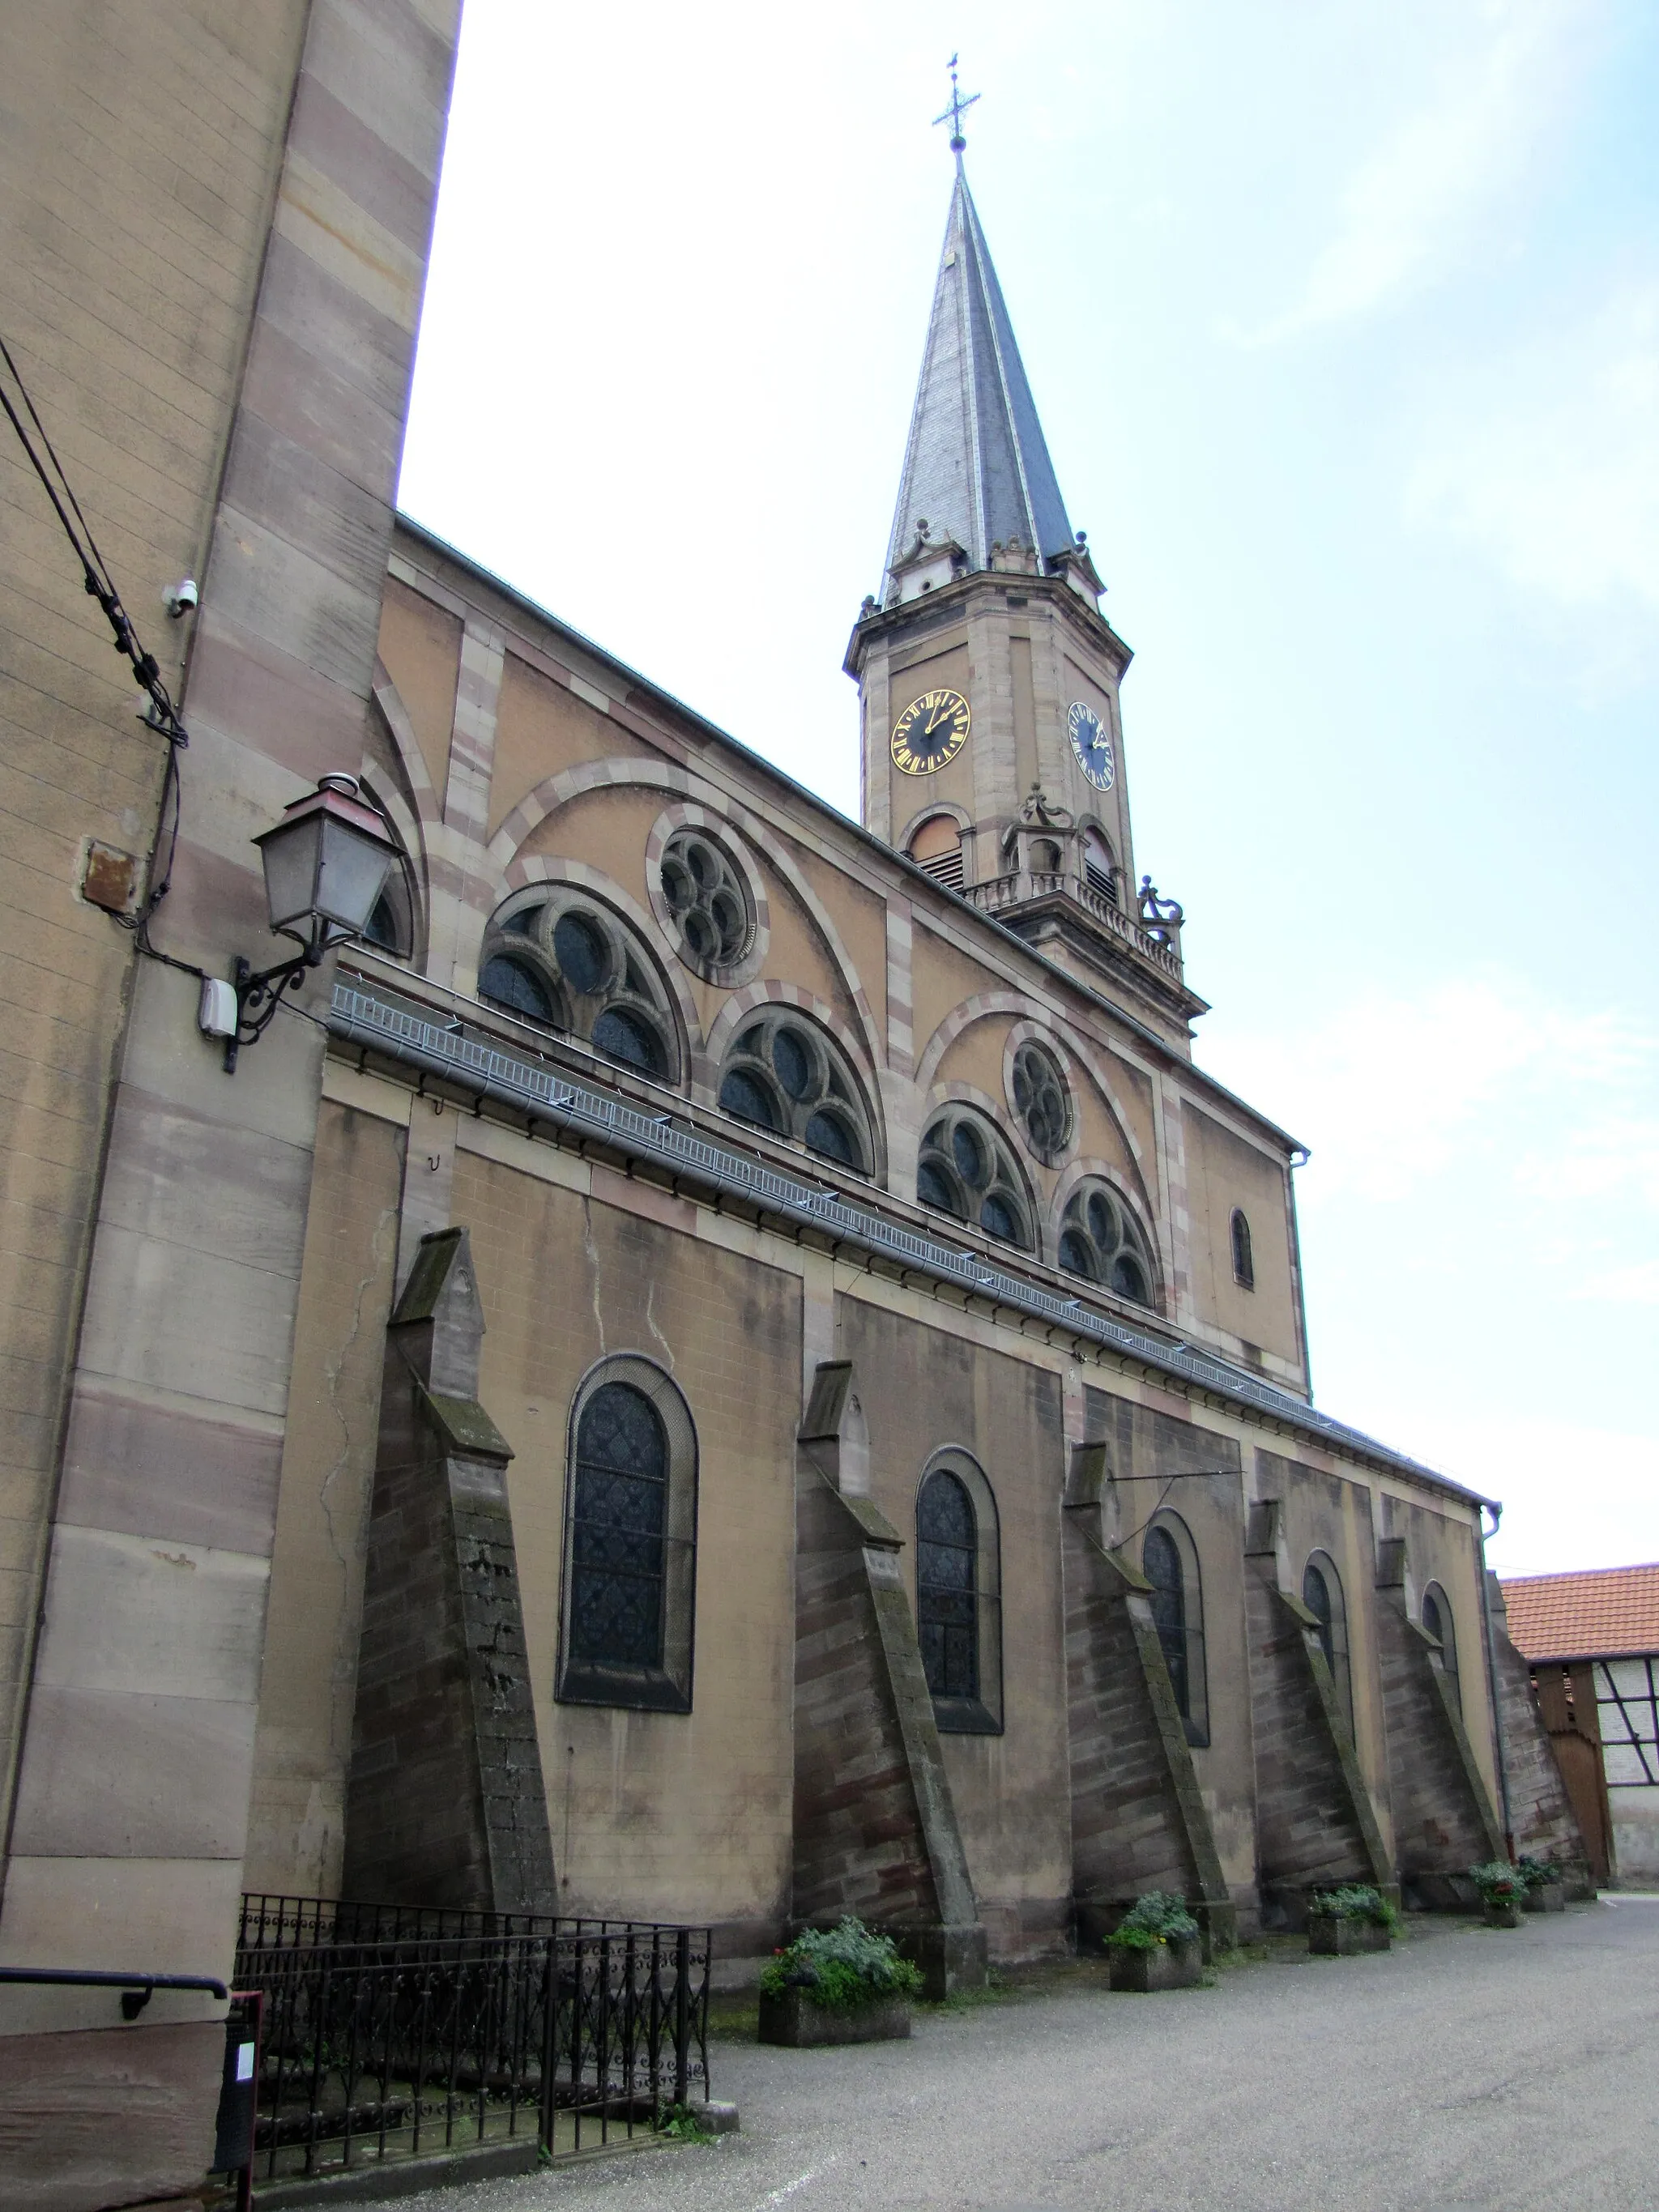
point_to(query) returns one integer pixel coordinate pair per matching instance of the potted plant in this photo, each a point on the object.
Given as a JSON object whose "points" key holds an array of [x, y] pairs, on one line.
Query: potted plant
{"points": [[1155, 1945], [1503, 1890], [843, 1984], [1545, 1891], [1354, 1917]]}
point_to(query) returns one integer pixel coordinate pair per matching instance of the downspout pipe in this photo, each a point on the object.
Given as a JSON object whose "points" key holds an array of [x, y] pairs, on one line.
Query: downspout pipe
{"points": [[1497, 1513]]}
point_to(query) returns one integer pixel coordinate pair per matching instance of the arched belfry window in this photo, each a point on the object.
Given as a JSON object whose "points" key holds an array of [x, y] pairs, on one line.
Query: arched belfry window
{"points": [[1321, 1593], [959, 1595], [1243, 1258], [1169, 1560], [1438, 1623], [631, 1542]]}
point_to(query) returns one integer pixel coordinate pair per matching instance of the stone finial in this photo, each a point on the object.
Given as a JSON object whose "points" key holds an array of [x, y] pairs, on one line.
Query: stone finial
{"points": [[438, 1319]]}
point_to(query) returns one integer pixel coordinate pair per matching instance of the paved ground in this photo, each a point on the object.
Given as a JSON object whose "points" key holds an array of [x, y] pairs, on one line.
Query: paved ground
{"points": [[1467, 2069]]}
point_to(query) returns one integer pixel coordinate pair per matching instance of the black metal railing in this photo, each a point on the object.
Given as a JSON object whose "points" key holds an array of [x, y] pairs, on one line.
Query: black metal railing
{"points": [[414, 2038]]}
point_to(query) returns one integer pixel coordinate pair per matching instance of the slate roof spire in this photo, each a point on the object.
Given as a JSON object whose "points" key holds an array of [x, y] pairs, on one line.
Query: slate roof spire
{"points": [[977, 467]]}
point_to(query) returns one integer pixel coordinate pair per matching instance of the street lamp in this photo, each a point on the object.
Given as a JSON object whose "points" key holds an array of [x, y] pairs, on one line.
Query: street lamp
{"points": [[326, 862]]}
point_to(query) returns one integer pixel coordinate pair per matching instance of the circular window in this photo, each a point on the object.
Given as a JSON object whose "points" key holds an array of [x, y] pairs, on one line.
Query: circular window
{"points": [[966, 1170], [1041, 1100], [785, 1075], [708, 902], [1101, 1241]]}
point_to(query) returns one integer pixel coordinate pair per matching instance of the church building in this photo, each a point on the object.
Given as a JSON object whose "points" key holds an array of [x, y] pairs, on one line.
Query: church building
{"points": [[801, 1388], [698, 1363]]}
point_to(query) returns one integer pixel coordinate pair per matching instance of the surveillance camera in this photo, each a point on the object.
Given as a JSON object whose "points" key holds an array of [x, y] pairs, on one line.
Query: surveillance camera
{"points": [[182, 598]]}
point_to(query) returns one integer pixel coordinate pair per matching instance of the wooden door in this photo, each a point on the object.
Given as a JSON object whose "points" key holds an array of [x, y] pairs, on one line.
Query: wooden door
{"points": [[1566, 1699]]}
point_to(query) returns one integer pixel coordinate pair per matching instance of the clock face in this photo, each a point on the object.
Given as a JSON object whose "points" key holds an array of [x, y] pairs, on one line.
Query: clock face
{"points": [[1092, 745], [930, 732]]}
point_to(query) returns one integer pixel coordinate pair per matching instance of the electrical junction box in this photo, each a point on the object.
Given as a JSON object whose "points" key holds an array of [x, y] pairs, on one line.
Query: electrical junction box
{"points": [[216, 1015]]}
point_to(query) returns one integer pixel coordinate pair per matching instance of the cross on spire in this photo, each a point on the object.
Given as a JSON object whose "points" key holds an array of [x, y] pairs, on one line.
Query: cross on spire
{"points": [[954, 113]]}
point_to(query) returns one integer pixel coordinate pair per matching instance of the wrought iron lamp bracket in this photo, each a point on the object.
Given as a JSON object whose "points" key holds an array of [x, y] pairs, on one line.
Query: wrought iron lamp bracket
{"points": [[258, 996]]}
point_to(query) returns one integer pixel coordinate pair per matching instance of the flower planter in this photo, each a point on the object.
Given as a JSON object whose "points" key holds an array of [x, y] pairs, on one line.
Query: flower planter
{"points": [[1503, 1912], [1176, 1965], [1336, 1935], [1547, 1897], [796, 2020]]}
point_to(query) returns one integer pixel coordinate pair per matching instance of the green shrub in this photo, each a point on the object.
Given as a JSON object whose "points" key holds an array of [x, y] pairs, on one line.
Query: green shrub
{"points": [[1159, 1916], [1537, 1873], [1356, 1901], [840, 1968], [1498, 1882]]}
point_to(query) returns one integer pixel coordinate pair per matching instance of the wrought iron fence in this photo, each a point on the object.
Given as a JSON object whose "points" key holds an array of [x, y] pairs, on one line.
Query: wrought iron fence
{"points": [[410, 2038]]}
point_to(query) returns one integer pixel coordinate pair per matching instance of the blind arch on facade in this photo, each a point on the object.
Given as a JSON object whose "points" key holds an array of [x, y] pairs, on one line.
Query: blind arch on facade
{"points": [[628, 1594], [959, 1594], [1169, 1560]]}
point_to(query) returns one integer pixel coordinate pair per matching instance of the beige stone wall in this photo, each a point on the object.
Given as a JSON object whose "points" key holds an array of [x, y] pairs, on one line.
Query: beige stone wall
{"points": [[137, 164], [307, 1686], [652, 1815], [923, 1389]]}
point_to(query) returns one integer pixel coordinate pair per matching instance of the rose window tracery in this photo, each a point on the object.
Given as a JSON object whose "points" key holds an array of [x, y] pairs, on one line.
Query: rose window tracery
{"points": [[966, 1170], [1101, 1241], [785, 1074]]}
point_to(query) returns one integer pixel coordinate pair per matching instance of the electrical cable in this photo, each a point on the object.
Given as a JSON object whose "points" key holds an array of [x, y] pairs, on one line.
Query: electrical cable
{"points": [[162, 716]]}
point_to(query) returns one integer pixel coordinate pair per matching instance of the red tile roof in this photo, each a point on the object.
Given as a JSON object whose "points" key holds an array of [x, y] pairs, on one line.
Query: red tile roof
{"points": [[1612, 1613]]}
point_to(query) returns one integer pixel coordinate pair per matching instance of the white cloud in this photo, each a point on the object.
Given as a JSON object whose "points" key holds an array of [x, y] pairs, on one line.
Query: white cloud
{"points": [[1413, 207], [1387, 1091], [1574, 1495], [1551, 465]]}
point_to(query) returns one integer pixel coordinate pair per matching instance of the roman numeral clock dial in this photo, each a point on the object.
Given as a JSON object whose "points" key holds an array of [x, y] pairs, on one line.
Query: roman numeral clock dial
{"points": [[931, 730]]}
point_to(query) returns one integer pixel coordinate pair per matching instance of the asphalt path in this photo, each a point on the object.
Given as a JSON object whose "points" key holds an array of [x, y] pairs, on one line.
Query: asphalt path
{"points": [[1466, 2069]]}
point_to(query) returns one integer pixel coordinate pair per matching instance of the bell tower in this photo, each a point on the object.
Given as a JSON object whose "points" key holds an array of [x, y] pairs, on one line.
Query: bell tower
{"points": [[988, 678]]}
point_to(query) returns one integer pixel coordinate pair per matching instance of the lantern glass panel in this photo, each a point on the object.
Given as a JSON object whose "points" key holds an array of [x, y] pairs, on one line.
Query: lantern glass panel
{"points": [[351, 876]]}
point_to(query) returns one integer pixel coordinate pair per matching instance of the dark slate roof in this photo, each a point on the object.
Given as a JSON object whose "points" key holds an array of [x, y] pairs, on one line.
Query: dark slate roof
{"points": [[976, 468]]}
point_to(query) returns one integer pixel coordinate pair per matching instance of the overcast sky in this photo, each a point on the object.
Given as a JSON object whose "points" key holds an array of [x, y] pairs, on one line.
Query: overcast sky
{"points": [[1343, 325]]}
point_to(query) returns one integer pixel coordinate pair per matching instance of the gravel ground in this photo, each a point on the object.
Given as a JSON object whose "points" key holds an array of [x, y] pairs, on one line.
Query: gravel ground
{"points": [[1466, 2069]]}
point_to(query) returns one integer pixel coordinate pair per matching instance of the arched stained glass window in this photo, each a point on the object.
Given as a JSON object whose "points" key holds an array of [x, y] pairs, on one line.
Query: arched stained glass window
{"points": [[1321, 1593], [1169, 1560], [947, 1549], [1243, 1259], [618, 1525], [785, 1073], [631, 1542], [1438, 1623], [1163, 1565], [1316, 1596]]}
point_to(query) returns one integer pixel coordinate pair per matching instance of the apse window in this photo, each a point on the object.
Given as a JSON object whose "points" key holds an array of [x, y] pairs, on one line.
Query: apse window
{"points": [[1169, 1560], [967, 1169], [1243, 1259], [786, 1074], [959, 1596], [630, 1542]]}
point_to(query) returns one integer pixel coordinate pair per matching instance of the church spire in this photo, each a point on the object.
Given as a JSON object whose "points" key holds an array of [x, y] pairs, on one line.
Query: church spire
{"points": [[976, 468]]}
